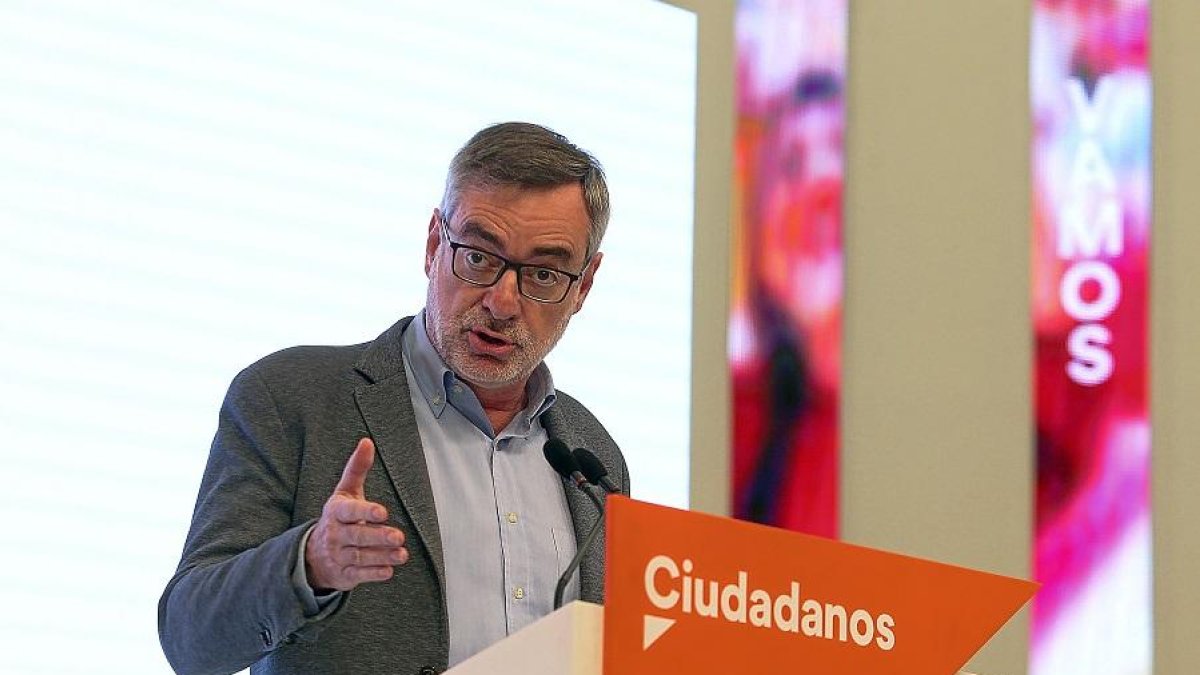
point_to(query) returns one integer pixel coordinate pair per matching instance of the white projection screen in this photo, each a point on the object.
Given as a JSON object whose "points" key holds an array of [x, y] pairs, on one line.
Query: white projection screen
{"points": [[188, 186]]}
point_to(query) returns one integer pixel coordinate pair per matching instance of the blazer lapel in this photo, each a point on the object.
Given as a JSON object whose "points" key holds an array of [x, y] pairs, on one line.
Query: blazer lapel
{"points": [[386, 407], [583, 515]]}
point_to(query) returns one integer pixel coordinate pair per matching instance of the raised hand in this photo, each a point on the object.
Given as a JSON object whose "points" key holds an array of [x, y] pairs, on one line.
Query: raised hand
{"points": [[351, 543]]}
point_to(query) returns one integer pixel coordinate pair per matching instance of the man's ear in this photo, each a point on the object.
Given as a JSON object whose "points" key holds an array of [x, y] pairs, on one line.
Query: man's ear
{"points": [[432, 239], [585, 283]]}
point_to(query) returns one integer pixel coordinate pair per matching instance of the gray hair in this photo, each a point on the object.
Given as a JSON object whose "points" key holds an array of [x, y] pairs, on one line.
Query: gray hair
{"points": [[528, 156]]}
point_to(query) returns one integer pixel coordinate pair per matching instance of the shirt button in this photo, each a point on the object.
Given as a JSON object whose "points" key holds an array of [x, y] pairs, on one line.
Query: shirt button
{"points": [[512, 517], [519, 593], [456, 389], [437, 399]]}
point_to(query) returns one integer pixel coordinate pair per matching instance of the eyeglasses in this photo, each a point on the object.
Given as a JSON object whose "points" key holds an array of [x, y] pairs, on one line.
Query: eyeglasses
{"points": [[482, 268]]}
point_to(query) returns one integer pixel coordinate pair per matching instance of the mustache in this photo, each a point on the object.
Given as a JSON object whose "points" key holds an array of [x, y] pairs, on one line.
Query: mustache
{"points": [[510, 329]]}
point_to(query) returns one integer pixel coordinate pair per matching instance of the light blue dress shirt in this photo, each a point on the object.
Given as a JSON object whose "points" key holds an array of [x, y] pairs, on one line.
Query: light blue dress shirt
{"points": [[505, 525], [506, 529]]}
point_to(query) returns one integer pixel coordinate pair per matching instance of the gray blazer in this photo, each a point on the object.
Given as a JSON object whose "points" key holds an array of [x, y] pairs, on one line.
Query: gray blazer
{"points": [[286, 428]]}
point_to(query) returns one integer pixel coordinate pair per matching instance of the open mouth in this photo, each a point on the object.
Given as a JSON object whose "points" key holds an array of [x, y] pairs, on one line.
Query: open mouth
{"points": [[491, 339], [491, 344]]}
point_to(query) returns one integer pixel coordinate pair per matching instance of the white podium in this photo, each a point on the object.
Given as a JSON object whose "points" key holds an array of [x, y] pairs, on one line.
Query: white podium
{"points": [[567, 642]]}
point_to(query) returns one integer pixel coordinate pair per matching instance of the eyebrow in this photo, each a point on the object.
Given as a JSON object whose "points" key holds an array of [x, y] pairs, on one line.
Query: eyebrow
{"points": [[472, 229], [560, 252]]}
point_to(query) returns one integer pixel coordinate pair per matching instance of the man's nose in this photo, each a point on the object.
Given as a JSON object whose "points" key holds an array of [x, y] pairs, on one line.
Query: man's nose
{"points": [[503, 298]]}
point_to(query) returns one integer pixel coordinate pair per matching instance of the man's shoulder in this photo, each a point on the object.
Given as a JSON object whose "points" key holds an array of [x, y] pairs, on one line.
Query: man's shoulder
{"points": [[570, 410], [571, 421], [316, 367], [308, 359]]}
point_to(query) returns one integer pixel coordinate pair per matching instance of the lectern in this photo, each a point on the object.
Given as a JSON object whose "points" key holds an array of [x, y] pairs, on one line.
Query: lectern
{"points": [[569, 641], [693, 593]]}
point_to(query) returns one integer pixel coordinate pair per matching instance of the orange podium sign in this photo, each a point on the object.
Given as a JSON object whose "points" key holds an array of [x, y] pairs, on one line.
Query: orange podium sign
{"points": [[693, 593]]}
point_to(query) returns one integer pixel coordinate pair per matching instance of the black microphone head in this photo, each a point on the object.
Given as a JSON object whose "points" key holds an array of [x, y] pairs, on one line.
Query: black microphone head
{"points": [[560, 457], [591, 466]]}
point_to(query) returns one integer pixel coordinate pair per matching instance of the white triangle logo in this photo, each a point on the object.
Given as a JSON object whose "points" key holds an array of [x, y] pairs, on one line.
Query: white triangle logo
{"points": [[653, 628]]}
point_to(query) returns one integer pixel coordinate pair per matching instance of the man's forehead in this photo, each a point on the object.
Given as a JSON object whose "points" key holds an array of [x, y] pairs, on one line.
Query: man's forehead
{"points": [[552, 211]]}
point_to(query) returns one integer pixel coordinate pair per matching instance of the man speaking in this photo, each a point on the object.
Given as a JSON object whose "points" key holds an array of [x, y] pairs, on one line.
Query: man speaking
{"points": [[386, 507]]}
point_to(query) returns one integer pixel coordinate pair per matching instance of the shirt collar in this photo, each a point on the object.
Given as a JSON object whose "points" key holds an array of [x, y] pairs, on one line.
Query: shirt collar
{"points": [[439, 385]]}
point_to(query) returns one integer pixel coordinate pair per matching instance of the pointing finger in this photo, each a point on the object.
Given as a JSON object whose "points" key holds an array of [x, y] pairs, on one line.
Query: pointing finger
{"points": [[355, 473]]}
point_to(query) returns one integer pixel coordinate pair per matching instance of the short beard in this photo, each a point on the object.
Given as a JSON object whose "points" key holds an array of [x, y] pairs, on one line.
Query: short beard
{"points": [[449, 337]]}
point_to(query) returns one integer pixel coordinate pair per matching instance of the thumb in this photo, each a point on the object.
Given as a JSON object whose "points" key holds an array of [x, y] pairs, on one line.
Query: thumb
{"points": [[355, 473]]}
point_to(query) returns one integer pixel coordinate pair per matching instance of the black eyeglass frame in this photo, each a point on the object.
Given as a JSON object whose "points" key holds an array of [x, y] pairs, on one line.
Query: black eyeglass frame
{"points": [[507, 265]]}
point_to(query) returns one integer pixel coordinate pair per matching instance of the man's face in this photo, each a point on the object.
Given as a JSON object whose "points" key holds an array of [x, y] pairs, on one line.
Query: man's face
{"points": [[494, 337]]}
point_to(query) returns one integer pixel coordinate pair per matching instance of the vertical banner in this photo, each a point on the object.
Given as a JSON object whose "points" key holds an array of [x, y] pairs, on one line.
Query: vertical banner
{"points": [[1091, 100], [785, 323]]}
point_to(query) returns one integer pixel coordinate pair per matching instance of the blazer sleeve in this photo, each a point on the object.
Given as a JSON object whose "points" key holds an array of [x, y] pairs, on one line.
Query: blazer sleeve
{"points": [[232, 599]]}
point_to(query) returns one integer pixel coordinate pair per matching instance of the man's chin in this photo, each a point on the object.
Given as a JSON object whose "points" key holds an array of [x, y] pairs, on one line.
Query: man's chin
{"points": [[487, 372]]}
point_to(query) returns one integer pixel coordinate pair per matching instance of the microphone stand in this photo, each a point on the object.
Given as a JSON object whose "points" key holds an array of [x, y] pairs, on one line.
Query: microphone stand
{"points": [[588, 541]]}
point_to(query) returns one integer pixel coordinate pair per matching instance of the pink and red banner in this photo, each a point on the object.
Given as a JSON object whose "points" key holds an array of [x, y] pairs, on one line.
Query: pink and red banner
{"points": [[1091, 100], [785, 323]]}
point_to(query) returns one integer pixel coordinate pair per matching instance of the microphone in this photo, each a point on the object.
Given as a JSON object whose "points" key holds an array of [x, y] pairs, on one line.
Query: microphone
{"points": [[565, 464], [560, 457], [593, 469]]}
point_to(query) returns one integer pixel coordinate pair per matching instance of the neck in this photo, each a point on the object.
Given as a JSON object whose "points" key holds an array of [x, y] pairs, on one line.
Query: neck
{"points": [[501, 405]]}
